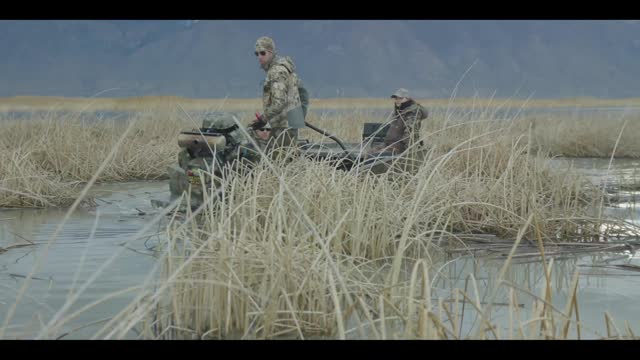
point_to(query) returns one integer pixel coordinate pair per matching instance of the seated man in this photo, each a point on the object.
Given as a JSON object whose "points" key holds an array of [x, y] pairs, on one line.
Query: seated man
{"points": [[406, 121], [261, 135]]}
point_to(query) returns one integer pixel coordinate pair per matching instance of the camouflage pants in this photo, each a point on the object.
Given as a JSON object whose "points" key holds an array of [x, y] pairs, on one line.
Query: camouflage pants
{"points": [[283, 143]]}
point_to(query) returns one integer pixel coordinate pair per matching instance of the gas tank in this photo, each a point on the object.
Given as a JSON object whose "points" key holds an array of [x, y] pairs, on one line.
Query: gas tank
{"points": [[197, 141]]}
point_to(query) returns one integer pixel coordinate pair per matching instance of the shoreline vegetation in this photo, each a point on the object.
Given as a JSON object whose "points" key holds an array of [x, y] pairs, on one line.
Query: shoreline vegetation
{"points": [[51, 103], [306, 250], [46, 157]]}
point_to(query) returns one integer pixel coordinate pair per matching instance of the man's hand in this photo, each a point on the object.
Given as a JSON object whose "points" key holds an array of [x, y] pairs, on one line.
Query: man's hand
{"points": [[260, 117], [259, 122]]}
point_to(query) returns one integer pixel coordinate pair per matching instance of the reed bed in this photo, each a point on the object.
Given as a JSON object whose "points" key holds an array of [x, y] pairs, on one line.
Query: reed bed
{"points": [[45, 160], [588, 135], [143, 103], [64, 139], [24, 184], [307, 251], [304, 250]]}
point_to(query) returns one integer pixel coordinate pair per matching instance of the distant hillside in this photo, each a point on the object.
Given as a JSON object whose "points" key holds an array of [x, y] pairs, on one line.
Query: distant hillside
{"points": [[206, 59]]}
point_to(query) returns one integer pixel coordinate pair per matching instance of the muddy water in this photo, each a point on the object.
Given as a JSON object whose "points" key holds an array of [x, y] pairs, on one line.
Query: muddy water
{"points": [[607, 282]]}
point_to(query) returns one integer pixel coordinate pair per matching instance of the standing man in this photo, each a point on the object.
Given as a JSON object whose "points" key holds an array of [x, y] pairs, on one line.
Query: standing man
{"points": [[283, 108]]}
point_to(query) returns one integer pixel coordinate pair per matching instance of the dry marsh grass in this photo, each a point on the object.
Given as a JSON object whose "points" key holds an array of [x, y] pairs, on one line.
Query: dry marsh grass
{"points": [[51, 103], [58, 149], [255, 267], [307, 251], [48, 158], [588, 136]]}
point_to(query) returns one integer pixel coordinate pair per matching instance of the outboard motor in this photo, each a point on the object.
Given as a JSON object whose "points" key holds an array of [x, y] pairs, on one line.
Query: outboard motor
{"points": [[203, 153]]}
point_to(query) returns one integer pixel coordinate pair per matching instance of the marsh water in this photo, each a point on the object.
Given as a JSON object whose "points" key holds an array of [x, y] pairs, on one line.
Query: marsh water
{"points": [[110, 245], [110, 235]]}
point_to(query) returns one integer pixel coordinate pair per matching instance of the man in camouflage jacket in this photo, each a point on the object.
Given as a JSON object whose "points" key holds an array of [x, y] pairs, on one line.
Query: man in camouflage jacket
{"points": [[284, 99]]}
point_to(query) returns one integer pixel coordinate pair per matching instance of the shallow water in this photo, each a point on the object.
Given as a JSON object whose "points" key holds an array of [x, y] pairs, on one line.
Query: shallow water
{"points": [[608, 281], [76, 254], [603, 285], [619, 178], [123, 210]]}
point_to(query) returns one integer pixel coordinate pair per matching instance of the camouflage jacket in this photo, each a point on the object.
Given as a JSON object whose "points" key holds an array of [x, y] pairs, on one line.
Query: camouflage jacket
{"points": [[404, 129], [280, 96]]}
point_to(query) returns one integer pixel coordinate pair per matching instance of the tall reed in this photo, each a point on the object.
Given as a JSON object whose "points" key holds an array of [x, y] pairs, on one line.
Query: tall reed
{"points": [[299, 249]]}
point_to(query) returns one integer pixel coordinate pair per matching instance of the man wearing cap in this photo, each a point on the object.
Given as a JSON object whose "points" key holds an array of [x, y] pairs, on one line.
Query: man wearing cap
{"points": [[404, 129], [261, 135], [284, 99]]}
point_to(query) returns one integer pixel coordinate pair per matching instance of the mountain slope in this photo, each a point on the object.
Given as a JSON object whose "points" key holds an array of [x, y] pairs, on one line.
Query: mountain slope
{"points": [[335, 58]]}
